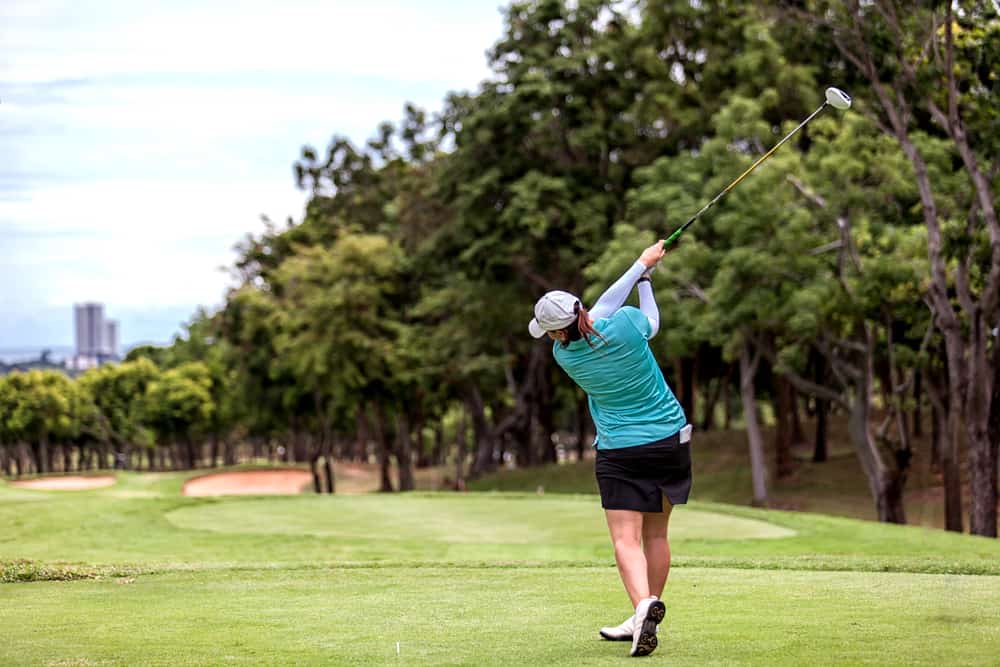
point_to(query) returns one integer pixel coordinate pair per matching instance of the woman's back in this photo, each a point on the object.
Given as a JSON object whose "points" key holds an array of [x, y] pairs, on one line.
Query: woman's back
{"points": [[630, 401]]}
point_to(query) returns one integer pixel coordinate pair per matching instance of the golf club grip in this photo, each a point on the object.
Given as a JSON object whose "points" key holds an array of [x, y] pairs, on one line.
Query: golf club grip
{"points": [[677, 232]]}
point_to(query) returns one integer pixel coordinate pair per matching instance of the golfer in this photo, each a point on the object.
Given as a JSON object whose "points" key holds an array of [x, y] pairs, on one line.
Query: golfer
{"points": [[643, 440]]}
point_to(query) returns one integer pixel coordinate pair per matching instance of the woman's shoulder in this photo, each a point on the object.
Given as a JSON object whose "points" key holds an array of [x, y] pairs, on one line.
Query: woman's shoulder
{"points": [[623, 313], [627, 314], [629, 317]]}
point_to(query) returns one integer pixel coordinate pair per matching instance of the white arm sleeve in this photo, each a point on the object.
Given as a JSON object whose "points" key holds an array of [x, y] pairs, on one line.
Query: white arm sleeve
{"points": [[647, 304], [615, 296]]}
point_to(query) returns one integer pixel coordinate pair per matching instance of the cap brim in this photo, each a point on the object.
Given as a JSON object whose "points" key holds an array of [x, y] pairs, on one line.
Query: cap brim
{"points": [[535, 329]]}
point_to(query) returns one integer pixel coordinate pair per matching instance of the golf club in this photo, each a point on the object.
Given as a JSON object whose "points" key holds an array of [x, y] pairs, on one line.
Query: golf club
{"points": [[835, 98]]}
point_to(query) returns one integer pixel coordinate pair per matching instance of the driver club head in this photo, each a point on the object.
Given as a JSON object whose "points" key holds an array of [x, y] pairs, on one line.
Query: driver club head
{"points": [[837, 98]]}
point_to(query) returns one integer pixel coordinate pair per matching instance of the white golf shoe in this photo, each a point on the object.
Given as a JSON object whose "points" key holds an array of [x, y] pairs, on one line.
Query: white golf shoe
{"points": [[620, 633], [648, 614]]}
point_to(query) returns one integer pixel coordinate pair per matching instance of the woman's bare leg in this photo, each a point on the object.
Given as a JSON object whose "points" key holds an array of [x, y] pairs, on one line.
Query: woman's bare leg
{"points": [[656, 548], [626, 536]]}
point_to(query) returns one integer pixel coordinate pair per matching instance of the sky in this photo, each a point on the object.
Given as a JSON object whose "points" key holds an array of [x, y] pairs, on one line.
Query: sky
{"points": [[141, 140]]}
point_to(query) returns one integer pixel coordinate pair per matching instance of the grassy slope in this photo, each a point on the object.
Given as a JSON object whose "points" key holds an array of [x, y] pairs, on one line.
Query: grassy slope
{"points": [[722, 474], [467, 579], [143, 522]]}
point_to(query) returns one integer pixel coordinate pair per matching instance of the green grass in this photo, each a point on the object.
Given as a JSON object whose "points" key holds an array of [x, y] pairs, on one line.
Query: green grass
{"points": [[138, 574], [509, 616], [722, 474]]}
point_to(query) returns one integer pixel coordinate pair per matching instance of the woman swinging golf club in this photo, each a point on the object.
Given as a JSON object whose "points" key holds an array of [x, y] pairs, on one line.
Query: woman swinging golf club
{"points": [[643, 452]]}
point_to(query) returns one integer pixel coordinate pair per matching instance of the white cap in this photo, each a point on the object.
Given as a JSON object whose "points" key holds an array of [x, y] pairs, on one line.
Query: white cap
{"points": [[554, 311]]}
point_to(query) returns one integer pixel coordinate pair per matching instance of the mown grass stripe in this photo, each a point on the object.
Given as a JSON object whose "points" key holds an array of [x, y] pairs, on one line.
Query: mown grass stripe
{"points": [[24, 571]]}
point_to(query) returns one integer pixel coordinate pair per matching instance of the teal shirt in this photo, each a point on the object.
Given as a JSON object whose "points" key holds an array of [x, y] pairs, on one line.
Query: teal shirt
{"points": [[629, 400]]}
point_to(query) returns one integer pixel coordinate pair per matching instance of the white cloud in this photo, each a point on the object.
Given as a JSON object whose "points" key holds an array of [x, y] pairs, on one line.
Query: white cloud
{"points": [[142, 140], [158, 211], [132, 242], [404, 40]]}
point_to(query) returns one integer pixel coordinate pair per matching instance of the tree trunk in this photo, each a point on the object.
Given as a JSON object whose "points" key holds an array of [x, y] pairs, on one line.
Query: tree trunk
{"points": [[951, 462], [423, 456], [384, 443], [582, 414], [727, 421], [545, 414], [758, 468], [437, 455], [328, 468], [708, 418], [822, 407], [362, 438], [42, 460], [326, 439], [890, 506], [686, 370], [784, 434], [404, 452], [885, 486], [23, 459], [994, 421], [918, 426], [314, 464], [192, 453], [945, 452], [314, 469], [982, 452], [483, 438], [819, 447], [461, 448], [524, 434], [938, 429], [798, 433]]}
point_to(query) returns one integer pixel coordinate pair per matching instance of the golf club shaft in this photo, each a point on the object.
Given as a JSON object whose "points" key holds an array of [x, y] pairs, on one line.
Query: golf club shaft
{"points": [[680, 230]]}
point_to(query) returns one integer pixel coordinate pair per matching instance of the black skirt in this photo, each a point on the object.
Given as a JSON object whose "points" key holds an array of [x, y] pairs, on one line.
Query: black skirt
{"points": [[637, 478]]}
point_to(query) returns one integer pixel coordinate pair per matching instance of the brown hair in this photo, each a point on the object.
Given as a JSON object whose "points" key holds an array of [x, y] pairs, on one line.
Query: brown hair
{"points": [[582, 328]]}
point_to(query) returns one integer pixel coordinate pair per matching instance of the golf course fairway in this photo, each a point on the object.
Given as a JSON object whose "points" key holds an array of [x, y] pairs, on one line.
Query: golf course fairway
{"points": [[136, 573]]}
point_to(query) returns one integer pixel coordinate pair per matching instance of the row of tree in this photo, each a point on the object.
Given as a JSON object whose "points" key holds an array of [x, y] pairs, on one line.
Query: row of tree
{"points": [[180, 416], [857, 271], [49, 422]]}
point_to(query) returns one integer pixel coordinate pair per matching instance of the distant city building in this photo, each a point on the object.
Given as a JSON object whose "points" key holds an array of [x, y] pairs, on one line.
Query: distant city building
{"points": [[89, 328], [110, 342], [96, 338]]}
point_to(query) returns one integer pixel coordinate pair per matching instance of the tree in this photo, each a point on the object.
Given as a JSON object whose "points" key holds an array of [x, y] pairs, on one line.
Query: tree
{"points": [[118, 391], [928, 70], [39, 412], [337, 328], [179, 407]]}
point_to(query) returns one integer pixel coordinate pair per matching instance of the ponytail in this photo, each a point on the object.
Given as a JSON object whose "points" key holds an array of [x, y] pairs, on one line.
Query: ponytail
{"points": [[582, 328]]}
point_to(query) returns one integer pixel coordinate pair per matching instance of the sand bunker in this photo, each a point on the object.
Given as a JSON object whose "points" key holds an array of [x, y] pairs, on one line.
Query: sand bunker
{"points": [[250, 482], [70, 483]]}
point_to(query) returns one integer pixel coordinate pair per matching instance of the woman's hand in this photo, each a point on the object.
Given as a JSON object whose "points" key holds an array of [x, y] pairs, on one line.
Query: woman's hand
{"points": [[653, 254]]}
